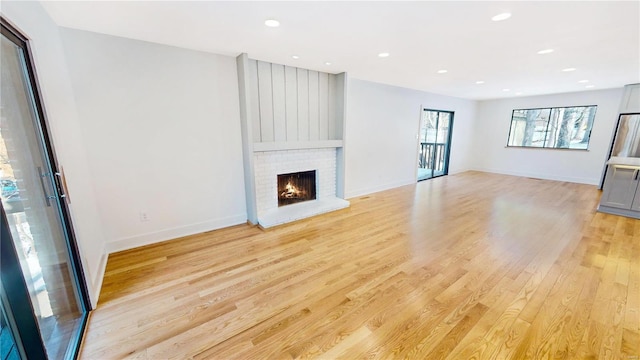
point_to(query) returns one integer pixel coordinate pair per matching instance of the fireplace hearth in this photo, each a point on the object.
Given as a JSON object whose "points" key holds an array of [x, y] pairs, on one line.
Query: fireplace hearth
{"points": [[296, 187]]}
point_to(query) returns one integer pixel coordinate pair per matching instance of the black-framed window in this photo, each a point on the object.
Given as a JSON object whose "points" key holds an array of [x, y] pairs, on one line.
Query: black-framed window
{"points": [[552, 127]]}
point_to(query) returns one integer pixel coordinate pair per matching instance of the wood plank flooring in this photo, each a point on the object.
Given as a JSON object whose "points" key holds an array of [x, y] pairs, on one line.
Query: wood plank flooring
{"points": [[468, 266]]}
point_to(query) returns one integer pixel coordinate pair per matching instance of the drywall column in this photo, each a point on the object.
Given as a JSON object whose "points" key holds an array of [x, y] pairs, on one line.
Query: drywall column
{"points": [[630, 99], [242, 62], [340, 115]]}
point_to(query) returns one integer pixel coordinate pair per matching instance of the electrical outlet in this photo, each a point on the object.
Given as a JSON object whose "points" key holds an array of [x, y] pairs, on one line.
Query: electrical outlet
{"points": [[144, 217]]}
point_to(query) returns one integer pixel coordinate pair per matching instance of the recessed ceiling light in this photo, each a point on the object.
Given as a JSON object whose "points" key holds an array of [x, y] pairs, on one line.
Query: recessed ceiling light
{"points": [[590, 86], [505, 90], [383, 54], [442, 71], [500, 17], [545, 51], [272, 23], [569, 69], [295, 57], [327, 63], [583, 81], [479, 82], [518, 93]]}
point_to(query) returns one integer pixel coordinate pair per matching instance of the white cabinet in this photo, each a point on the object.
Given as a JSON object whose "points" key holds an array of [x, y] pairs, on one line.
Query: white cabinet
{"points": [[621, 194]]}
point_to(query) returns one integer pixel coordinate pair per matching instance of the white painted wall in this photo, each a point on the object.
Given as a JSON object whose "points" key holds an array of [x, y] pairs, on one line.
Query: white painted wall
{"points": [[382, 126], [162, 127], [64, 125], [492, 132]]}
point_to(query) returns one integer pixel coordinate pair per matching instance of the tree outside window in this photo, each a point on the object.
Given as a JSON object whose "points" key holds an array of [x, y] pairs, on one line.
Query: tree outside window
{"points": [[555, 128]]}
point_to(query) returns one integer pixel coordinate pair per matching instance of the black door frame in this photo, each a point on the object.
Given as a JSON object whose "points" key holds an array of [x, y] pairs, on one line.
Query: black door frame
{"points": [[449, 137], [17, 293], [18, 305]]}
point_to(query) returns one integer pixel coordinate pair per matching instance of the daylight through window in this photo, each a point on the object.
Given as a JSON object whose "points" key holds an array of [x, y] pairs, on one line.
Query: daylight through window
{"points": [[557, 128]]}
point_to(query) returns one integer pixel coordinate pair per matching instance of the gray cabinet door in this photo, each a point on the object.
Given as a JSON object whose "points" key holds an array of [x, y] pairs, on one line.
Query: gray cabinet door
{"points": [[636, 201], [620, 186]]}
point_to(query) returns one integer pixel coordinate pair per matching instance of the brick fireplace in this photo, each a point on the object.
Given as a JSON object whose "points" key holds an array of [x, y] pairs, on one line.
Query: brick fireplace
{"points": [[270, 164]]}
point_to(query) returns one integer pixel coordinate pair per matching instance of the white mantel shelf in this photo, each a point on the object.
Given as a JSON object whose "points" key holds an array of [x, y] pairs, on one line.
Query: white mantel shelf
{"points": [[296, 145]]}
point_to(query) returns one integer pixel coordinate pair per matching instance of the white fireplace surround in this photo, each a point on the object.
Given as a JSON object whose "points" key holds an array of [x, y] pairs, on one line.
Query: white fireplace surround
{"points": [[269, 164], [292, 119]]}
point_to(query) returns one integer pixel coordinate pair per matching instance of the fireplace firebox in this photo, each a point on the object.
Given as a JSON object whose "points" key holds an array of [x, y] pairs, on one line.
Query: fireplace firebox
{"points": [[296, 187]]}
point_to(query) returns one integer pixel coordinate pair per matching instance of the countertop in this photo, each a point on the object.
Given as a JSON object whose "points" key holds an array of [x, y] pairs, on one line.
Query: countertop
{"points": [[629, 161]]}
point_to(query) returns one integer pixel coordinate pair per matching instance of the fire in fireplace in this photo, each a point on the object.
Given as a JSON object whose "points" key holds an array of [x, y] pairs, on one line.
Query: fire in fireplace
{"points": [[296, 187]]}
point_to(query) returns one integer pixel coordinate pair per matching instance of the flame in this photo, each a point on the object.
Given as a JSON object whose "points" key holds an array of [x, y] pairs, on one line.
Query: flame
{"points": [[291, 191]]}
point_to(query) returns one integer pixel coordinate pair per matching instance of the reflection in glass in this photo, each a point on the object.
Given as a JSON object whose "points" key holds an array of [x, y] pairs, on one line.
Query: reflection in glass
{"points": [[627, 140], [8, 347], [33, 212]]}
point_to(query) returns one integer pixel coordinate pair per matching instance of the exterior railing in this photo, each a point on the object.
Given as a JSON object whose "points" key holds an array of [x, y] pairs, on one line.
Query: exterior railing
{"points": [[426, 158]]}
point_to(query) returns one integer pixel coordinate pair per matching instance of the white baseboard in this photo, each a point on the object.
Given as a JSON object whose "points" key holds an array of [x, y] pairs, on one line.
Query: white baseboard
{"points": [[172, 233], [370, 190], [571, 179], [97, 280], [458, 171]]}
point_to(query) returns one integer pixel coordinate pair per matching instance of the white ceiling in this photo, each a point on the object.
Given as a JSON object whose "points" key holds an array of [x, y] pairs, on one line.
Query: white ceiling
{"points": [[600, 39]]}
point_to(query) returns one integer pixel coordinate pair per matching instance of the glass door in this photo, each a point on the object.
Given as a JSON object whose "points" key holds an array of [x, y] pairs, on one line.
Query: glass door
{"points": [[434, 144], [37, 236], [626, 140], [8, 347]]}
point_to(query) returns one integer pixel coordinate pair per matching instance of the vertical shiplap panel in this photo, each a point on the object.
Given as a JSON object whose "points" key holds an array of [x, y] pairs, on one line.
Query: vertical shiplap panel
{"points": [[332, 107], [254, 101], [266, 101], [323, 106], [279, 111], [303, 104], [291, 102], [314, 128]]}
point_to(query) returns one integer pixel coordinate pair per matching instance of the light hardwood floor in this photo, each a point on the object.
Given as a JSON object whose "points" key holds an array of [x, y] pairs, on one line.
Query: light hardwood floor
{"points": [[469, 266]]}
